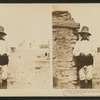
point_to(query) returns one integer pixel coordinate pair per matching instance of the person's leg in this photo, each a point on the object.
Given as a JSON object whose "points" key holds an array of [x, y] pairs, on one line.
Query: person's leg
{"points": [[4, 76], [82, 78], [89, 76]]}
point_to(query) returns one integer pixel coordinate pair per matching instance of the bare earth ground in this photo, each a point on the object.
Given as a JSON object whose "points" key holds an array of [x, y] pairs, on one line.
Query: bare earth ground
{"points": [[96, 72], [25, 71]]}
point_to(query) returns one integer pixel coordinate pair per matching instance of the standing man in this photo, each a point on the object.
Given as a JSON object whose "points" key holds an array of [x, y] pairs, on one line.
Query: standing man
{"points": [[83, 53], [3, 57]]}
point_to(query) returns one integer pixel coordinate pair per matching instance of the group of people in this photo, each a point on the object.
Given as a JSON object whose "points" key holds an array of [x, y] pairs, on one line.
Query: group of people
{"points": [[83, 53]]}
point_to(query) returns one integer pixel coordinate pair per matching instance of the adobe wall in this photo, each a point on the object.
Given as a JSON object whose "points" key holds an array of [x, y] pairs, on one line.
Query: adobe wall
{"points": [[64, 38]]}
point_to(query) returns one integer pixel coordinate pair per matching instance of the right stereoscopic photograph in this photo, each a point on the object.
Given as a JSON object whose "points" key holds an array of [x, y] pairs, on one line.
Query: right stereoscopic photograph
{"points": [[76, 46]]}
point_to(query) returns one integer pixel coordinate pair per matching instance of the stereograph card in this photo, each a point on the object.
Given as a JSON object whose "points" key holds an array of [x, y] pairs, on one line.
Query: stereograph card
{"points": [[49, 49]]}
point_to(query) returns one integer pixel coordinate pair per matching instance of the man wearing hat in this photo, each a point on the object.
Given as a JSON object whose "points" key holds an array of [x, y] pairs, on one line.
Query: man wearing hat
{"points": [[83, 53], [3, 58]]}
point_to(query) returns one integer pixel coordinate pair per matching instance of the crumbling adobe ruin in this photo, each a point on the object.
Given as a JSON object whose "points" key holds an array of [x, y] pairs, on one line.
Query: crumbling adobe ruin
{"points": [[64, 38]]}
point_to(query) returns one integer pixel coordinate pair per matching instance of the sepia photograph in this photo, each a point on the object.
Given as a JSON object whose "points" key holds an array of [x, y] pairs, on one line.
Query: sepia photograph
{"points": [[76, 46], [49, 49], [24, 46]]}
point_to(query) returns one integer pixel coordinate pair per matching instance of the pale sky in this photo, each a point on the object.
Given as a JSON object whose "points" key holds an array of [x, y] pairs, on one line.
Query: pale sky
{"points": [[34, 21], [26, 22], [85, 14]]}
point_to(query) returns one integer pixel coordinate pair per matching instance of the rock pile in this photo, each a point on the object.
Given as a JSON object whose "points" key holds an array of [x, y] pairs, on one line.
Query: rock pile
{"points": [[64, 38]]}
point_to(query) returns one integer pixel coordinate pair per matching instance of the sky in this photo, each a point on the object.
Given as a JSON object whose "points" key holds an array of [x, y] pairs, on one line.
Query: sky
{"points": [[25, 22], [86, 15], [34, 21]]}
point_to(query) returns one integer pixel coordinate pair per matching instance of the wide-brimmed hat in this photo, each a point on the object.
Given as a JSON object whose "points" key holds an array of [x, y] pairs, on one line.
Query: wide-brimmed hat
{"points": [[2, 31], [84, 30]]}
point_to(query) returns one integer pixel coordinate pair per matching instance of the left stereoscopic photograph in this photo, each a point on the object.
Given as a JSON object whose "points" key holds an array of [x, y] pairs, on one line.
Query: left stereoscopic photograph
{"points": [[24, 46]]}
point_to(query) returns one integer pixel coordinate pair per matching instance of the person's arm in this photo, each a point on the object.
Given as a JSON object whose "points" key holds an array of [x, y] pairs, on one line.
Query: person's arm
{"points": [[76, 51]]}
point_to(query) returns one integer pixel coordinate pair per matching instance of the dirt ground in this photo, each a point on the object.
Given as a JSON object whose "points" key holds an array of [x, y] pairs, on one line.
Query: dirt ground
{"points": [[25, 71], [96, 72]]}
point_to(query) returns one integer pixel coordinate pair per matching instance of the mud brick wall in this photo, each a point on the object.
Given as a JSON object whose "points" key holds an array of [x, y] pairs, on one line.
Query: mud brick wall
{"points": [[64, 38]]}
